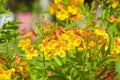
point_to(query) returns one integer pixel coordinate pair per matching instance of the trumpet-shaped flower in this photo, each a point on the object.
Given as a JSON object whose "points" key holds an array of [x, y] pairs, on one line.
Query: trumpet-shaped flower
{"points": [[111, 19], [62, 14], [73, 9], [91, 45], [101, 33], [31, 53], [28, 48], [25, 44]]}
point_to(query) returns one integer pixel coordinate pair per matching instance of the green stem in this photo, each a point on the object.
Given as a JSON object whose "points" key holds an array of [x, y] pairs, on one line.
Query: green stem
{"points": [[44, 63], [7, 47], [84, 66]]}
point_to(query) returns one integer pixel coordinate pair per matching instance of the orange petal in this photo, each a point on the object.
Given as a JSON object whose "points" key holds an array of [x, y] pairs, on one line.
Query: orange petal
{"points": [[62, 29], [33, 32], [26, 35], [17, 58], [57, 33]]}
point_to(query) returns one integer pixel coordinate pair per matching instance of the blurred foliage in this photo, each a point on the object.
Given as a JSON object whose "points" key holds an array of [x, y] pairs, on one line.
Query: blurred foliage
{"points": [[2, 6], [23, 5], [9, 32]]}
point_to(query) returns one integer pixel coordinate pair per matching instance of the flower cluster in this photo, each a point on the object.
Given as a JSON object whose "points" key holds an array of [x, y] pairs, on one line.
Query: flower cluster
{"points": [[66, 10], [63, 41], [22, 70], [30, 50], [112, 19], [59, 44], [116, 48]]}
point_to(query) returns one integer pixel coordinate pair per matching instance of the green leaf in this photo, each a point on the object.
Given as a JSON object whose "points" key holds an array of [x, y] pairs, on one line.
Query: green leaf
{"points": [[9, 31], [54, 78], [102, 50], [117, 69], [57, 71], [39, 29], [107, 60], [2, 8], [57, 60], [111, 43]]}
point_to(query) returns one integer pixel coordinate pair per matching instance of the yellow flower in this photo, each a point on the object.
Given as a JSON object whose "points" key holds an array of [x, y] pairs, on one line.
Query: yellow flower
{"points": [[61, 53], [79, 17], [87, 54], [28, 48], [25, 44], [80, 49], [52, 10], [77, 41], [117, 20], [70, 45], [57, 1], [73, 9], [21, 43], [21, 69], [91, 45], [116, 48], [82, 46], [101, 33], [31, 53], [113, 19], [41, 47], [66, 37], [117, 41], [5, 74], [115, 4], [47, 56], [62, 14]]}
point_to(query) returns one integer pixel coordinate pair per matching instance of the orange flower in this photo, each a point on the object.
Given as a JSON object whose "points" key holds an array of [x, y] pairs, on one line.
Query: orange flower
{"points": [[17, 58], [50, 73], [111, 19], [52, 9], [29, 34], [74, 17]]}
